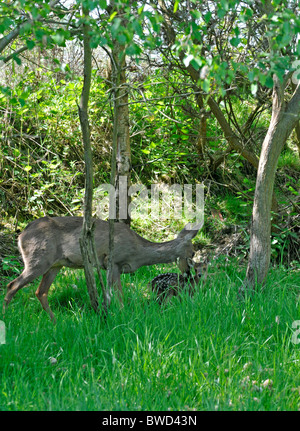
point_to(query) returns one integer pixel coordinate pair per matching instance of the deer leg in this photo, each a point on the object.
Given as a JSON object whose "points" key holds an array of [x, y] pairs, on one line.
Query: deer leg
{"points": [[26, 277], [42, 291], [117, 285], [16, 284]]}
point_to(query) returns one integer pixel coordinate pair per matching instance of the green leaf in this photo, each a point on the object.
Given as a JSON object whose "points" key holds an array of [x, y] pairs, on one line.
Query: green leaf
{"points": [[155, 24], [121, 38], [138, 28], [251, 75], [246, 14], [5, 90], [17, 60], [27, 168], [22, 101], [5, 23], [206, 85], [207, 17], [221, 13], [133, 49], [30, 44], [115, 27], [196, 63], [34, 12], [235, 41], [196, 14], [58, 39], [112, 16]]}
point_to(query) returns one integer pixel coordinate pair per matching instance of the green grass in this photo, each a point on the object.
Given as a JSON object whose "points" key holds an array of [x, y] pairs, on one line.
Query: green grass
{"points": [[208, 352]]}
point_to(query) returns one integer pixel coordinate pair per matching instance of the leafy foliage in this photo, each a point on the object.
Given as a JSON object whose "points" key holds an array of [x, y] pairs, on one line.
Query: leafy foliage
{"points": [[224, 42]]}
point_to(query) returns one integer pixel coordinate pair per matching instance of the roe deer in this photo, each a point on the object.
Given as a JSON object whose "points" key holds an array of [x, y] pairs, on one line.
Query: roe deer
{"points": [[49, 243], [169, 284]]}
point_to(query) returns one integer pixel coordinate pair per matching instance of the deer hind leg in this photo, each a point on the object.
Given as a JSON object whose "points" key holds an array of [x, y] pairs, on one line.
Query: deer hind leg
{"points": [[28, 275], [17, 284], [42, 291]]}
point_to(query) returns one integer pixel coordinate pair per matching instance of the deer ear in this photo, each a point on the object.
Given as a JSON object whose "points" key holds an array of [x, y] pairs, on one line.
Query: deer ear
{"points": [[193, 226]]}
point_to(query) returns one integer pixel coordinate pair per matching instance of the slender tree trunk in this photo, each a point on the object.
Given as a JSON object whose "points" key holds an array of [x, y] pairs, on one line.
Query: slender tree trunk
{"points": [[123, 155], [116, 79], [87, 243], [284, 119]]}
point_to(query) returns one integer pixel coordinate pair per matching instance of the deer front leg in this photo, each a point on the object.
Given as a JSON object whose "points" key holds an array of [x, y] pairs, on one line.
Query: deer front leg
{"points": [[116, 283]]}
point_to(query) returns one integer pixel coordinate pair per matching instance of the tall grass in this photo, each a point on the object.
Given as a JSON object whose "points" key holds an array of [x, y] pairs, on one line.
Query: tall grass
{"points": [[209, 352]]}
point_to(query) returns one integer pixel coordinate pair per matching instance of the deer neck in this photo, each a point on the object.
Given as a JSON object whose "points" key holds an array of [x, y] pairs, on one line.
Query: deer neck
{"points": [[165, 252]]}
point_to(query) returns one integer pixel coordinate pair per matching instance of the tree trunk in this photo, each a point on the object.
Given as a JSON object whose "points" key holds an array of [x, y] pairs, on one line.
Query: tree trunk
{"points": [[123, 156], [87, 244], [284, 119], [116, 79]]}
